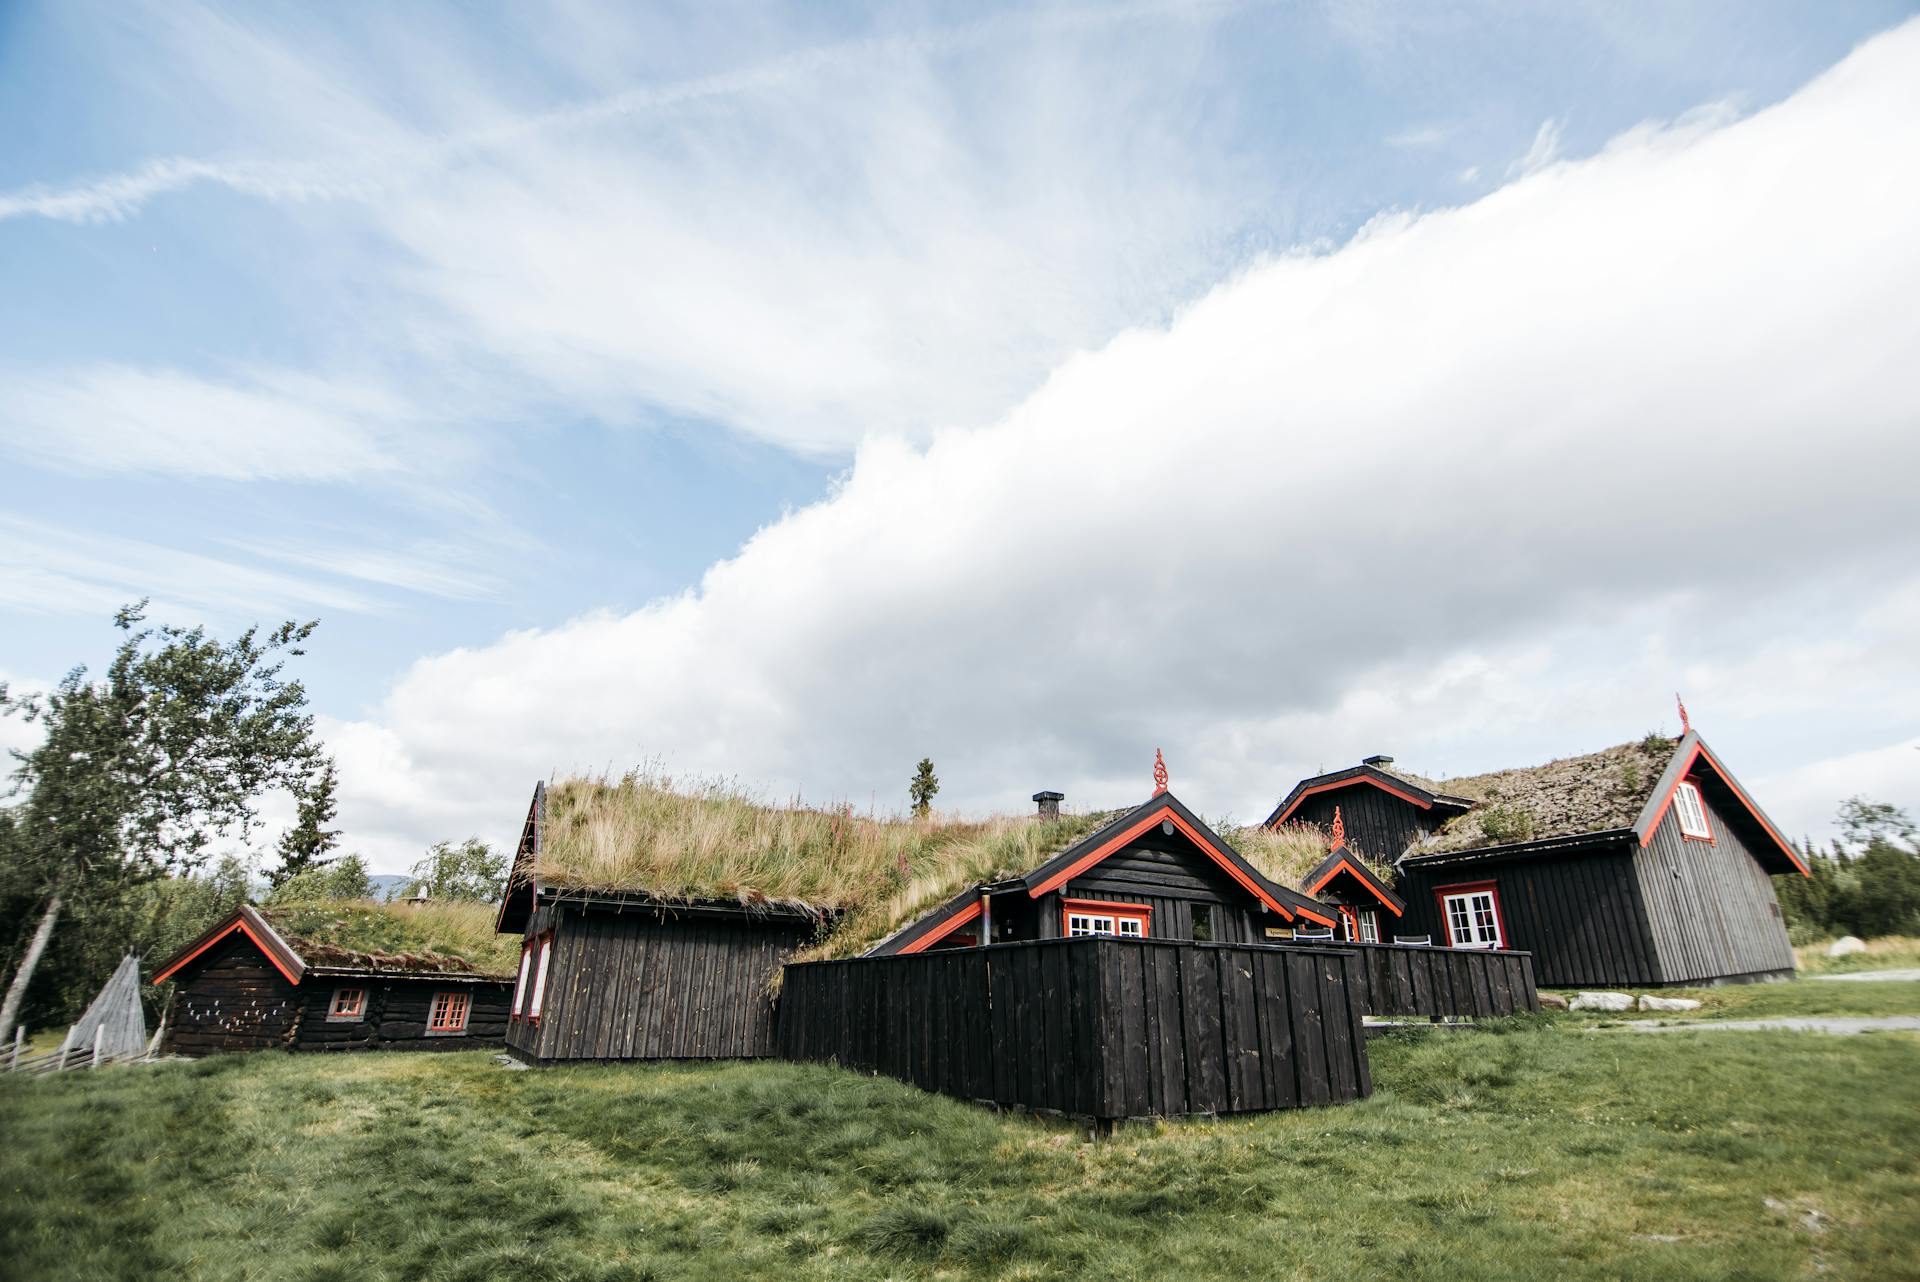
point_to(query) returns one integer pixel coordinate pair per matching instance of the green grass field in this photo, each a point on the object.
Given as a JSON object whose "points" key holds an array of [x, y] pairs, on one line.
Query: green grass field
{"points": [[1539, 1148]]}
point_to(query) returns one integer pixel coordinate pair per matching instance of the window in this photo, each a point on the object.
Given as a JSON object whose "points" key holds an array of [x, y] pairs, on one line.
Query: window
{"points": [[1203, 923], [540, 978], [348, 1003], [449, 1014], [1692, 812], [1472, 916], [1096, 917], [1369, 922], [520, 984]]}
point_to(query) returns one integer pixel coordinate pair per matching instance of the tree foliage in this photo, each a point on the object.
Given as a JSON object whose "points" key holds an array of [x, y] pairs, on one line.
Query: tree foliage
{"points": [[139, 772], [470, 870], [923, 787], [343, 878], [304, 847], [1867, 884]]}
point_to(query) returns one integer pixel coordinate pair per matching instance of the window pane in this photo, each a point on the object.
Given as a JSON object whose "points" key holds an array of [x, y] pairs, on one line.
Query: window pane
{"points": [[1203, 923]]}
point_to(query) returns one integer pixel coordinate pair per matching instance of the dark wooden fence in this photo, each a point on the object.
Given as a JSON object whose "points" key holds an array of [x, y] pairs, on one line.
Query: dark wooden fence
{"points": [[1406, 979], [1094, 1027]]}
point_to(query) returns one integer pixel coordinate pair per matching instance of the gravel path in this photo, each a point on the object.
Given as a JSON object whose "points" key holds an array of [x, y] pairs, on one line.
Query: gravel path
{"points": [[1841, 1025], [1868, 976]]}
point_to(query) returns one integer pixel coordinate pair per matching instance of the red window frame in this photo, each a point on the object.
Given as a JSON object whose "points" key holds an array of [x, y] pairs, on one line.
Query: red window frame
{"points": [[1699, 800], [448, 1014], [1142, 913], [341, 1008], [1492, 888]]}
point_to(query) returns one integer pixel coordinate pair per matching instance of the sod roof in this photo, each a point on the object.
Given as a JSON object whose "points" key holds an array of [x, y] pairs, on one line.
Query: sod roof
{"points": [[1597, 792], [432, 938]]}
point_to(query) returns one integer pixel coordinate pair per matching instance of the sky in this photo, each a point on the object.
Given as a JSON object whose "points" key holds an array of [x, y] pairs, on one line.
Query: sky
{"points": [[788, 393]]}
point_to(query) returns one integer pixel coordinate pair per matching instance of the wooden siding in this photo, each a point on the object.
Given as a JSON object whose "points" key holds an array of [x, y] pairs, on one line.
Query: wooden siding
{"points": [[396, 1014], [1398, 979], [1094, 1027], [1580, 914], [231, 999], [1377, 823], [1711, 905], [646, 983], [1171, 881]]}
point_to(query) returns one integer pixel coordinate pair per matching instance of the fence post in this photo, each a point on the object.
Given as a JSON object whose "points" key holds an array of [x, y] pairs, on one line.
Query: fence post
{"points": [[19, 1039]]}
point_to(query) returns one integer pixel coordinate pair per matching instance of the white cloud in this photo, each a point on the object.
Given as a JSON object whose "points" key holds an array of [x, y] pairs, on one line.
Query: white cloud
{"points": [[1527, 466], [1803, 800], [1544, 150], [263, 425]]}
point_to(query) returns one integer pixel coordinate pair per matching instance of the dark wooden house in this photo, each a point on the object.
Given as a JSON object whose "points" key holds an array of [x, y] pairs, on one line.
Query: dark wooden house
{"points": [[249, 985], [1365, 903], [1155, 871], [1644, 864], [625, 974]]}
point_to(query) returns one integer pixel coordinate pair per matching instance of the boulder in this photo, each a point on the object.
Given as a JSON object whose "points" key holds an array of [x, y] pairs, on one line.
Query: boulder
{"points": [[1846, 946], [1602, 1001], [1553, 1001], [1668, 1003]]}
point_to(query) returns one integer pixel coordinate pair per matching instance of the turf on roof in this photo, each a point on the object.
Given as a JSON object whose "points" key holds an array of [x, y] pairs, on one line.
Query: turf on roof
{"points": [[443, 938], [1593, 793]]}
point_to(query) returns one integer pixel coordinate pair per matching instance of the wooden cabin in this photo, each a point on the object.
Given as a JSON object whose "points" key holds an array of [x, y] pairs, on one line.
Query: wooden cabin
{"points": [[1155, 871], [1368, 909], [1644, 864], [252, 983], [628, 973]]}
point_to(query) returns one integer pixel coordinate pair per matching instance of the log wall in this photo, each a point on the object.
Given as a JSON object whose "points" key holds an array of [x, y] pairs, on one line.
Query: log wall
{"points": [[233, 1001], [396, 1015], [1094, 1027]]}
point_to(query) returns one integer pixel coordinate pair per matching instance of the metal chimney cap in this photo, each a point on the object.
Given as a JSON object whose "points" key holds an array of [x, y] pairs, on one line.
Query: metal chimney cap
{"points": [[1049, 796], [1377, 759]]}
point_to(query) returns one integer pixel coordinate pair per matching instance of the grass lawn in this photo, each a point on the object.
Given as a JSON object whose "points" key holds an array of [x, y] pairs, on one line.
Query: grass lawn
{"points": [[1538, 1149]]}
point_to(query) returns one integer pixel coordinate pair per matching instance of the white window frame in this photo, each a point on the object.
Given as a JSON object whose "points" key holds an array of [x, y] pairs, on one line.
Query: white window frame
{"points": [[1084, 922], [1369, 921], [540, 978], [1469, 925], [354, 1016], [520, 984], [1690, 810]]}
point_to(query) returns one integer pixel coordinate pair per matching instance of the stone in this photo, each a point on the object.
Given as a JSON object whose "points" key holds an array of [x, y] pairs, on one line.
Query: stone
{"points": [[1668, 1003], [1846, 946], [1553, 1001], [1602, 1001]]}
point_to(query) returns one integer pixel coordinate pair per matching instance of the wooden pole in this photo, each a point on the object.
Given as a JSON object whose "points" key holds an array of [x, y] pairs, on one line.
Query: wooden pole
{"points": [[19, 1040]]}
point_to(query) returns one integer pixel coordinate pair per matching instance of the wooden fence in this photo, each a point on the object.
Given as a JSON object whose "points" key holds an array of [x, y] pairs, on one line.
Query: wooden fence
{"points": [[1094, 1027], [1407, 979]]}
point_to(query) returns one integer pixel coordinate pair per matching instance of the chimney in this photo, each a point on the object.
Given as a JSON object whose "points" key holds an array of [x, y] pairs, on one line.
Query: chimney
{"points": [[1378, 761], [1049, 803], [419, 895]]}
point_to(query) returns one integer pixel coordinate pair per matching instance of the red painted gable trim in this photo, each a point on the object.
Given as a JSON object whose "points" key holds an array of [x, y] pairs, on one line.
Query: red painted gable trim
{"points": [[944, 929], [1348, 783], [1334, 871], [1699, 751], [1119, 840], [241, 926]]}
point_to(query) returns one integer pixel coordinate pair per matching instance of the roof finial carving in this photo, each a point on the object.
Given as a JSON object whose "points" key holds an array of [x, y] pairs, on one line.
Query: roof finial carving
{"points": [[1159, 773], [1339, 829], [1686, 726]]}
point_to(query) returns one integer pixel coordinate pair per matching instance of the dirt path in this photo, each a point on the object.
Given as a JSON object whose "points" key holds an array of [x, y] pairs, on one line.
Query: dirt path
{"points": [[1841, 1025], [1868, 976]]}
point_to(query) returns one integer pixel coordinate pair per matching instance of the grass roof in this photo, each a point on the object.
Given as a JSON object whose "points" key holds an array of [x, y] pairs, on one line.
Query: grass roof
{"points": [[1591, 793], [867, 876], [436, 937]]}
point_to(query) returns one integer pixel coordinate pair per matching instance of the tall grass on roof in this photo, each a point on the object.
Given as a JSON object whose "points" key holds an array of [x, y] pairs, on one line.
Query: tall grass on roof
{"points": [[708, 839], [1288, 853], [443, 935]]}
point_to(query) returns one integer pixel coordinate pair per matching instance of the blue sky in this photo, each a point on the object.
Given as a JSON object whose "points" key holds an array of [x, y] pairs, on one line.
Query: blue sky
{"points": [[574, 366]]}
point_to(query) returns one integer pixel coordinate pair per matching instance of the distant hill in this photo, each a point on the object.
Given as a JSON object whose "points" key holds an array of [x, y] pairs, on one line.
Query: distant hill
{"points": [[386, 887]]}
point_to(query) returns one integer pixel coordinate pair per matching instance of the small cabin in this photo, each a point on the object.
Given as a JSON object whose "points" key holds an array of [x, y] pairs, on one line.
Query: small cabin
{"points": [[1153, 871], [1647, 863], [255, 982]]}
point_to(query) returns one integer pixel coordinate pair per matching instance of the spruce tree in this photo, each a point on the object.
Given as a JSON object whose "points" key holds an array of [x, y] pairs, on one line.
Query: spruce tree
{"points": [[923, 787]]}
